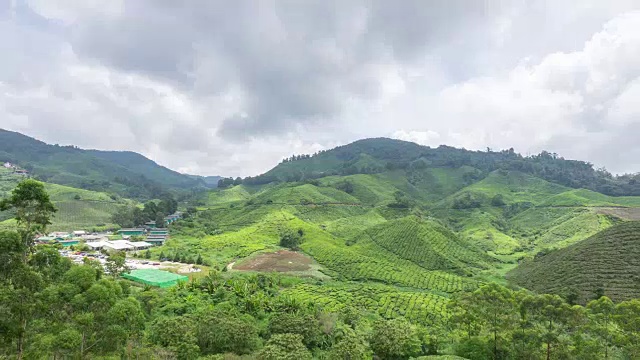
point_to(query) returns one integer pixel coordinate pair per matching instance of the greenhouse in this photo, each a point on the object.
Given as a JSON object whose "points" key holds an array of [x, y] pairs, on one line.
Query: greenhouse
{"points": [[155, 277]]}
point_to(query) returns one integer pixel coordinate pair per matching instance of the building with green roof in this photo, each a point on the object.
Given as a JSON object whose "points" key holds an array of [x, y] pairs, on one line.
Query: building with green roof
{"points": [[155, 277], [131, 232]]}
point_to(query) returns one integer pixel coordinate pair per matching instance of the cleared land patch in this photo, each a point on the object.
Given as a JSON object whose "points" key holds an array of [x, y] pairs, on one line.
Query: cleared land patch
{"points": [[279, 261]]}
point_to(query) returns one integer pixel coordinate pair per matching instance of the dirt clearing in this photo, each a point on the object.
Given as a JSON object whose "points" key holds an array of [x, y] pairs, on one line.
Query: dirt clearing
{"points": [[280, 261], [623, 213]]}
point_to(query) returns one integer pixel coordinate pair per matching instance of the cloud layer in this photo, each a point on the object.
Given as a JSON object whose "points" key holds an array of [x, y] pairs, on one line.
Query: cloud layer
{"points": [[232, 87]]}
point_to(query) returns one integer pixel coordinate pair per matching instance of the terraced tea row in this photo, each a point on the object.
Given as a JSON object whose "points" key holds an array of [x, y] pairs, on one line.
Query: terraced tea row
{"points": [[373, 263], [428, 245], [607, 262], [389, 302]]}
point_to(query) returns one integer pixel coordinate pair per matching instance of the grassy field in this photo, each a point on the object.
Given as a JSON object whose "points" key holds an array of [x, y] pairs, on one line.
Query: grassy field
{"points": [[77, 208], [609, 260]]}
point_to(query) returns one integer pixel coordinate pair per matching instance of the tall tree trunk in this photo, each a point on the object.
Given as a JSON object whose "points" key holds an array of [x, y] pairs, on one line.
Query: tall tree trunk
{"points": [[23, 330], [82, 344], [495, 343], [548, 351]]}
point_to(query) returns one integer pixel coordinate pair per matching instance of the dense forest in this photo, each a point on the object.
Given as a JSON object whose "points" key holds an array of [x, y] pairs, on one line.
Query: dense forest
{"points": [[378, 155]]}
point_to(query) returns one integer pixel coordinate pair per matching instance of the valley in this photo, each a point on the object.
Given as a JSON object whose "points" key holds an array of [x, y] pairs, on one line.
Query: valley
{"points": [[389, 230]]}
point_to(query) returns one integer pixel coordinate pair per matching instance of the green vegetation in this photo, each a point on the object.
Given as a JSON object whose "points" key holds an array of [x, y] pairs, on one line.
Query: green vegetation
{"points": [[77, 208], [606, 262], [372, 156], [383, 249], [129, 174]]}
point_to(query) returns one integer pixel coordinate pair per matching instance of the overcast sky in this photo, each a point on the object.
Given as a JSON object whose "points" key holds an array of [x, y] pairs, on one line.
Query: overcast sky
{"points": [[231, 87]]}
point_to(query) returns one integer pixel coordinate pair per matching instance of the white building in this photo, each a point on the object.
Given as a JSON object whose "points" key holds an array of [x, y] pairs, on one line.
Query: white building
{"points": [[90, 238], [118, 245], [139, 245]]}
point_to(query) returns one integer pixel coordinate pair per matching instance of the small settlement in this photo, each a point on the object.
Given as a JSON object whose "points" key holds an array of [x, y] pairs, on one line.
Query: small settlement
{"points": [[124, 240], [98, 245], [16, 169]]}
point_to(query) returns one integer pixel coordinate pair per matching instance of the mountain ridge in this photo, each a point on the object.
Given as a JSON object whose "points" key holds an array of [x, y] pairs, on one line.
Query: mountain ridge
{"points": [[376, 155], [126, 173]]}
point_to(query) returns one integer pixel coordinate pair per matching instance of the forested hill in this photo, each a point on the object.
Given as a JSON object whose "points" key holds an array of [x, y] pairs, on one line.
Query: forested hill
{"points": [[382, 154], [126, 173]]}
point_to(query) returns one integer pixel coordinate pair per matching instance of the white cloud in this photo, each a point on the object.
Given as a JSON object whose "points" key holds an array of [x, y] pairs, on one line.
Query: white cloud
{"points": [[578, 96], [224, 90]]}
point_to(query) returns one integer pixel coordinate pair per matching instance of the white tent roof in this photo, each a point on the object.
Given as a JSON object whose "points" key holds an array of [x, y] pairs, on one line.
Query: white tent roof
{"points": [[140, 244], [119, 245], [97, 244]]}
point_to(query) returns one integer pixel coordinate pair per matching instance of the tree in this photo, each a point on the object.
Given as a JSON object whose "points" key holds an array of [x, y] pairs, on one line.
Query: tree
{"points": [[395, 339], [285, 347], [33, 210], [549, 316], [627, 316], [126, 320], [498, 200], [401, 200], [601, 321], [12, 250], [178, 334], [290, 239], [346, 186], [116, 264], [199, 260], [160, 223], [220, 332], [494, 306], [305, 325], [349, 345], [147, 254]]}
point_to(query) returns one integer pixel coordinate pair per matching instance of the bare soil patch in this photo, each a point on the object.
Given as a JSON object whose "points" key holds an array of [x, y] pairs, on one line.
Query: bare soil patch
{"points": [[623, 213], [280, 261]]}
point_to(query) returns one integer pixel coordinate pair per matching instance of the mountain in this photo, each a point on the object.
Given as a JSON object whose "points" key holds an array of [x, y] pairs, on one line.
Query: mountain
{"points": [[126, 173], [378, 155], [138, 164], [210, 181], [608, 261]]}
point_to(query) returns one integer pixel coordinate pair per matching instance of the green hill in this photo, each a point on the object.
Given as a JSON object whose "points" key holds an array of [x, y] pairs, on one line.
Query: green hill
{"points": [[427, 244], [372, 156], [77, 208], [126, 173], [609, 260]]}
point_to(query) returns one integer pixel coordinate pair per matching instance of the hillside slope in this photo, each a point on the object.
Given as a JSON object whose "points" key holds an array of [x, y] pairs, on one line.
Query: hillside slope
{"points": [[609, 260], [77, 208], [370, 156], [126, 173]]}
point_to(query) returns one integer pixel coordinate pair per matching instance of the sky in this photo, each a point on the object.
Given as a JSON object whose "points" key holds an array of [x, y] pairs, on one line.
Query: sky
{"points": [[232, 87]]}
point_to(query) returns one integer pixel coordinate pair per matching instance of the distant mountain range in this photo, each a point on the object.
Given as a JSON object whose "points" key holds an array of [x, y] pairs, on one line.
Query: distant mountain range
{"points": [[123, 172]]}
